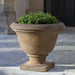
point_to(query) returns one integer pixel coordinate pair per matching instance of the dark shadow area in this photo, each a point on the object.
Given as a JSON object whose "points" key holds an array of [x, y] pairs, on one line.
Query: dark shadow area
{"points": [[64, 10]]}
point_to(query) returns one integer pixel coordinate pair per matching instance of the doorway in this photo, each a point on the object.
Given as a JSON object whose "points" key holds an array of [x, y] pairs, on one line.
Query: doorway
{"points": [[63, 10]]}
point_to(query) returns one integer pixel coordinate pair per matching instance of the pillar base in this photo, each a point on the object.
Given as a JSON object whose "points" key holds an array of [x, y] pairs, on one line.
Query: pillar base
{"points": [[38, 67]]}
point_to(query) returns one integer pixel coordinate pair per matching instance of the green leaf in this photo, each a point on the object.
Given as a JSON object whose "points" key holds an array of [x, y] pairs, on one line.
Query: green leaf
{"points": [[38, 18]]}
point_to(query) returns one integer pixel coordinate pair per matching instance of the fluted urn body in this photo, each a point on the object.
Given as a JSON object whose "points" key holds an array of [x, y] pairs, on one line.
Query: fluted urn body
{"points": [[37, 41]]}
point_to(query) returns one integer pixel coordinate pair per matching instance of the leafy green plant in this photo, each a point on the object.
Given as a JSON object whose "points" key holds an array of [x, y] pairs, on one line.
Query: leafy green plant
{"points": [[38, 18]]}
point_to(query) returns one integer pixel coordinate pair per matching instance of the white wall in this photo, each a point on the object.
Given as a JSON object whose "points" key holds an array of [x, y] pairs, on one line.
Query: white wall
{"points": [[19, 7], [1, 6]]}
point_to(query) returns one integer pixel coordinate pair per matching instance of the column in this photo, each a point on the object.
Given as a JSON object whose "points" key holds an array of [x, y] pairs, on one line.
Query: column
{"points": [[19, 7], [34, 6]]}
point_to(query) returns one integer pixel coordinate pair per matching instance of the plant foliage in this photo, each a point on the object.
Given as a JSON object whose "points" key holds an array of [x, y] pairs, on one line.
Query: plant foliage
{"points": [[38, 18]]}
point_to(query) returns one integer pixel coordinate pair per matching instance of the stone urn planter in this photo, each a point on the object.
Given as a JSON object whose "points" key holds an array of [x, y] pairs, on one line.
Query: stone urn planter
{"points": [[37, 41], [37, 34]]}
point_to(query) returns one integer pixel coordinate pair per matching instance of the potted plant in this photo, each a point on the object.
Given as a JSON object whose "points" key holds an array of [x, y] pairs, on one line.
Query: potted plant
{"points": [[37, 34]]}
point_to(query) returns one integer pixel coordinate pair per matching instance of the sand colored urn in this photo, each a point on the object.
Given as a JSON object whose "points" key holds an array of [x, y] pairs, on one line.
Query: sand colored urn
{"points": [[37, 41]]}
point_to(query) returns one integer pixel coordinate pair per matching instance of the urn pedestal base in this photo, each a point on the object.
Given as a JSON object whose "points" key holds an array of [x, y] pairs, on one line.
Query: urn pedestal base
{"points": [[41, 67]]}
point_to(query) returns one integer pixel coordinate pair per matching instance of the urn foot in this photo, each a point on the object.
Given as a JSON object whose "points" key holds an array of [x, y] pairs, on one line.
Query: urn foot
{"points": [[39, 67]]}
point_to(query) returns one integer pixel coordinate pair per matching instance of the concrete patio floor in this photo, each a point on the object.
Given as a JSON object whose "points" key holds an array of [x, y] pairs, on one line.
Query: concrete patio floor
{"points": [[12, 56]]}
